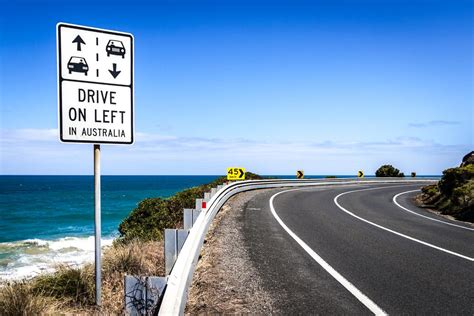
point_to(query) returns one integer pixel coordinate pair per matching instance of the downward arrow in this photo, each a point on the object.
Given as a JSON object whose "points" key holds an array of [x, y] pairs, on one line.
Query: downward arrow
{"points": [[79, 41], [114, 72]]}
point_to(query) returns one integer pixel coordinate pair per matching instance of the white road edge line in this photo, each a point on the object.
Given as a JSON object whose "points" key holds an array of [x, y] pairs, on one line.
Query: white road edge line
{"points": [[336, 275], [427, 217], [392, 231]]}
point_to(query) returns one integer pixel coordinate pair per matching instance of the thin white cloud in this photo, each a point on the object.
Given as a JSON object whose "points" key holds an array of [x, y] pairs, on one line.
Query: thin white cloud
{"points": [[38, 151], [28, 135], [435, 123]]}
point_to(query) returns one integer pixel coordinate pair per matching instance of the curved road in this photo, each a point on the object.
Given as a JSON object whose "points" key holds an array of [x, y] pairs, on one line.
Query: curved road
{"points": [[356, 249]]}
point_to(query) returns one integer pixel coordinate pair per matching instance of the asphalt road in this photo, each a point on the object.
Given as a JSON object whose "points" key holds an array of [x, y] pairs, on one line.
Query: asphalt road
{"points": [[352, 250]]}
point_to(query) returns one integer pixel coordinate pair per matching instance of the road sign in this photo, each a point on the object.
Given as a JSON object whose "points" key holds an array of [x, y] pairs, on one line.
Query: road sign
{"points": [[300, 174], [95, 85], [360, 174], [95, 99], [234, 173]]}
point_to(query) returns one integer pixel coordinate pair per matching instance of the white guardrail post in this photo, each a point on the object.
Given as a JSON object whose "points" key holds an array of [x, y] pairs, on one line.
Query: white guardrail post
{"points": [[180, 277]]}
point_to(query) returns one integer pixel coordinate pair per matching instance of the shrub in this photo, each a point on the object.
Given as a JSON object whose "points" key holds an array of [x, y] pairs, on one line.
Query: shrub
{"points": [[73, 284], [150, 218], [133, 258], [430, 190], [388, 171], [455, 177], [18, 298], [454, 193], [463, 196]]}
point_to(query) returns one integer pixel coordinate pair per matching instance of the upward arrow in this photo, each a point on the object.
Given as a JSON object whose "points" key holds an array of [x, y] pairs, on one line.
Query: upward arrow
{"points": [[78, 40]]}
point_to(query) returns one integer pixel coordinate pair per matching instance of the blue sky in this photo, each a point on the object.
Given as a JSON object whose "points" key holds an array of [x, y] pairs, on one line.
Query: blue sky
{"points": [[330, 87]]}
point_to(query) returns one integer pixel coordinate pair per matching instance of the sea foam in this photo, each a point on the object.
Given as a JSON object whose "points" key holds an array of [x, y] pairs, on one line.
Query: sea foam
{"points": [[30, 257]]}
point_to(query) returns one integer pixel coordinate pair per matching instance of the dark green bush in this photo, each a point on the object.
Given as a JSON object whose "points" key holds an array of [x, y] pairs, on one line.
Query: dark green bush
{"points": [[454, 193], [388, 171], [463, 196], [430, 190], [147, 220], [150, 218], [455, 177]]}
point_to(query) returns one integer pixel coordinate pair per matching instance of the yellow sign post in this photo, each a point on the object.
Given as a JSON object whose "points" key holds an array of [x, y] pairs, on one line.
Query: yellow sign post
{"points": [[360, 174], [235, 173], [300, 174]]}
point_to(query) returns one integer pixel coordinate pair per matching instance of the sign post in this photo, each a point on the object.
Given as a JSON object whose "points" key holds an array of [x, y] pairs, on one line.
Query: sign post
{"points": [[97, 225], [95, 99]]}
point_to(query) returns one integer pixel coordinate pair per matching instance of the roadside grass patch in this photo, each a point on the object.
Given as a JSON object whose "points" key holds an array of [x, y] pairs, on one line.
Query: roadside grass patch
{"points": [[19, 298]]}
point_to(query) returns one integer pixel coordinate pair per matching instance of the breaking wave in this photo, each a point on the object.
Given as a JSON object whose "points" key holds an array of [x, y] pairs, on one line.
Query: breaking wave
{"points": [[30, 257]]}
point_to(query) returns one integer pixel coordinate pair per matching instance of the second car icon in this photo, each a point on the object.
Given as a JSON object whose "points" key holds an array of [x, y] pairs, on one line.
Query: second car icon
{"points": [[77, 64], [115, 48]]}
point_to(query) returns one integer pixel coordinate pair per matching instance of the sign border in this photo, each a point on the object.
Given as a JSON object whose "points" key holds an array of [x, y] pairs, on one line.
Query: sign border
{"points": [[60, 81]]}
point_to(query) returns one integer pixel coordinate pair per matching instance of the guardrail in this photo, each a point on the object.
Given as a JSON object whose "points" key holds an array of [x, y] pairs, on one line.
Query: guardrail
{"points": [[175, 296]]}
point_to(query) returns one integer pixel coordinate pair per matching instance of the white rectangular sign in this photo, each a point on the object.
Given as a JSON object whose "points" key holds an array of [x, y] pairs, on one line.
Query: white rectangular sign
{"points": [[95, 85]]}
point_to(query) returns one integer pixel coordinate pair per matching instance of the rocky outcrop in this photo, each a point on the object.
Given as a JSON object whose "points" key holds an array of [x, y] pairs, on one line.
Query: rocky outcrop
{"points": [[468, 159]]}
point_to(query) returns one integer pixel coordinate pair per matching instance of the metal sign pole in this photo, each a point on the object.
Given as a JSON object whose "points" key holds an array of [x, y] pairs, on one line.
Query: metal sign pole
{"points": [[97, 224]]}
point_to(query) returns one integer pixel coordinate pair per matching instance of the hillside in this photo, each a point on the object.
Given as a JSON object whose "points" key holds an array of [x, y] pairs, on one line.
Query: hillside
{"points": [[150, 218], [454, 194]]}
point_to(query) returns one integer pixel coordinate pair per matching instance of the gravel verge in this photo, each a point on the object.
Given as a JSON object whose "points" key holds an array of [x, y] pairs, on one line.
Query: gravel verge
{"points": [[225, 280]]}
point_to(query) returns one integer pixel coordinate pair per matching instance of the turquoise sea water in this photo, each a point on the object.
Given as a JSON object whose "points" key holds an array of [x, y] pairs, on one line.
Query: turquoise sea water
{"points": [[46, 220], [49, 207]]}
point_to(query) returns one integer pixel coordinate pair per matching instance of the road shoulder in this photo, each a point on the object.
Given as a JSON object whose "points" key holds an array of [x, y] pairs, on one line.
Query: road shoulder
{"points": [[225, 281]]}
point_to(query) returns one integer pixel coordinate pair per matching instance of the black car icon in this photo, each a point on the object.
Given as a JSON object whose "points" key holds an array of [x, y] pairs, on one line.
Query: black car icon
{"points": [[77, 64], [115, 48]]}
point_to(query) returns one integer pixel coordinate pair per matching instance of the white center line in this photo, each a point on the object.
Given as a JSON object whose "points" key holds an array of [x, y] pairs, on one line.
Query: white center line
{"points": [[427, 217], [336, 275], [392, 231]]}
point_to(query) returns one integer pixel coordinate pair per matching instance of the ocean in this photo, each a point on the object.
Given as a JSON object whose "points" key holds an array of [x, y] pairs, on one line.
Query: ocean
{"points": [[49, 220]]}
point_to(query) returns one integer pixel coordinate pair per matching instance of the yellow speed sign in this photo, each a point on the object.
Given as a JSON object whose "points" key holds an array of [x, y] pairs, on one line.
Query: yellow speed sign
{"points": [[235, 173]]}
